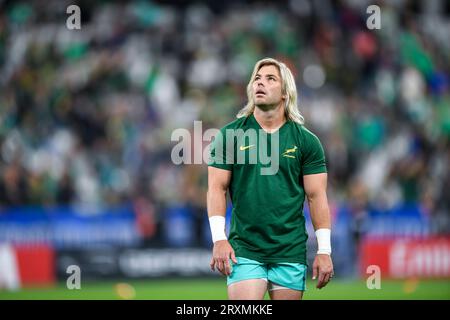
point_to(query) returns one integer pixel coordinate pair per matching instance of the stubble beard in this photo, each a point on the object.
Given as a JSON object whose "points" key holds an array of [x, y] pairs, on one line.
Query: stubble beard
{"points": [[264, 106]]}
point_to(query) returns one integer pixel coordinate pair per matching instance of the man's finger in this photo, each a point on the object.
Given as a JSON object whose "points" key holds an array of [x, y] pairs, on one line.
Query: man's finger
{"points": [[227, 268], [315, 269], [326, 279], [320, 280], [212, 263], [220, 266], [233, 257]]}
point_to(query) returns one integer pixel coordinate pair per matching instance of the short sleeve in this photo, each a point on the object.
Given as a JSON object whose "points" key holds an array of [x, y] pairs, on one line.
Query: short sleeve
{"points": [[221, 152], [313, 155]]}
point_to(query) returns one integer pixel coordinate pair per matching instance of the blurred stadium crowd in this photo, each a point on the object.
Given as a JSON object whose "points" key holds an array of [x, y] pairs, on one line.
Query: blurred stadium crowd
{"points": [[87, 115]]}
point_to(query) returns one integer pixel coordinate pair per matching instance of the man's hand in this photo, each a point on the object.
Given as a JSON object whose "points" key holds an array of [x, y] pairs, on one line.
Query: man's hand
{"points": [[222, 252], [322, 267]]}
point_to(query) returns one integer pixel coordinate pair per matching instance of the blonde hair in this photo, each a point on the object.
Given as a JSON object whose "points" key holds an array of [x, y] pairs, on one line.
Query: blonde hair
{"points": [[288, 88]]}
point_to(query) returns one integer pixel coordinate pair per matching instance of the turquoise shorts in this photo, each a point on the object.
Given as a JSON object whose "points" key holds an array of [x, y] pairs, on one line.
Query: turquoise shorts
{"points": [[284, 274]]}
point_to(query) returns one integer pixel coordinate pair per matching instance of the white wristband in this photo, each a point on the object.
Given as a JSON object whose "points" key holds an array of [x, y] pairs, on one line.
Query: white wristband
{"points": [[323, 241], [217, 225]]}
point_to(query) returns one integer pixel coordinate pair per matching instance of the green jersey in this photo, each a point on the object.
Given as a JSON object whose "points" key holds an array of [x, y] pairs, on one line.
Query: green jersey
{"points": [[267, 222]]}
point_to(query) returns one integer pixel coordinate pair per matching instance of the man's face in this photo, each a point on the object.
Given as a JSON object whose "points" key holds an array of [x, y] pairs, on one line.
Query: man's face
{"points": [[267, 87]]}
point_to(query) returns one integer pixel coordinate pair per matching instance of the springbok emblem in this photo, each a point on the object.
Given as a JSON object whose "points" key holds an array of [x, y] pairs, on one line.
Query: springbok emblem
{"points": [[292, 150]]}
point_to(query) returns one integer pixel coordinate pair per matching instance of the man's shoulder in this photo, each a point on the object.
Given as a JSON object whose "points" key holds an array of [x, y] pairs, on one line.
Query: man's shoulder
{"points": [[238, 123], [304, 132]]}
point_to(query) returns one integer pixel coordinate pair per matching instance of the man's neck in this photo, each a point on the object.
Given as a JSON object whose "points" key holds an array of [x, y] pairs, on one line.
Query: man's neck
{"points": [[270, 120]]}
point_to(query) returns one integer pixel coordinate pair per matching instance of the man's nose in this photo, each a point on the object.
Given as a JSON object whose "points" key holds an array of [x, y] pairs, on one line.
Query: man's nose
{"points": [[260, 83]]}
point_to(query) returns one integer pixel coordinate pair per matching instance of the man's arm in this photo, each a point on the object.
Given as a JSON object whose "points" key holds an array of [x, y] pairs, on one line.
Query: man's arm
{"points": [[218, 183], [315, 186]]}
